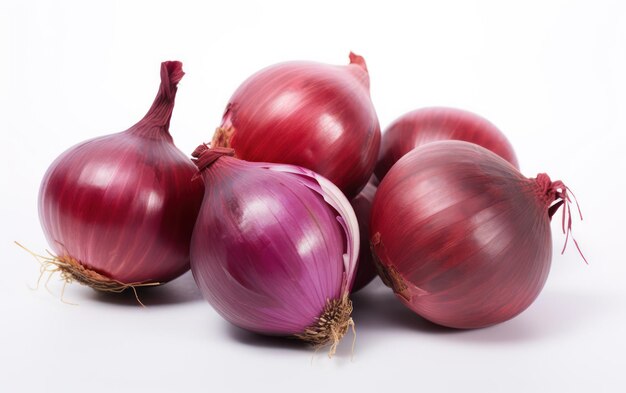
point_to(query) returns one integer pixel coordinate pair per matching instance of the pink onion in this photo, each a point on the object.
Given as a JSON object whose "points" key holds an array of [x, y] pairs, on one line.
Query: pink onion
{"points": [[427, 125], [461, 236], [119, 210], [275, 247], [313, 115], [362, 205]]}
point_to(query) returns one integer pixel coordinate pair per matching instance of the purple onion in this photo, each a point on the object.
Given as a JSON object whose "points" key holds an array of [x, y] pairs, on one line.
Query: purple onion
{"points": [[275, 248]]}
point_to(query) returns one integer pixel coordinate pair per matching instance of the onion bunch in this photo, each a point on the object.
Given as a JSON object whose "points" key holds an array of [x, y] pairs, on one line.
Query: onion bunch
{"points": [[119, 210], [275, 247], [277, 219]]}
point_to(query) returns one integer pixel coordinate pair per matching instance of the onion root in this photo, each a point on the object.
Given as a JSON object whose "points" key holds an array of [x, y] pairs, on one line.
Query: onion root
{"points": [[331, 326], [72, 270]]}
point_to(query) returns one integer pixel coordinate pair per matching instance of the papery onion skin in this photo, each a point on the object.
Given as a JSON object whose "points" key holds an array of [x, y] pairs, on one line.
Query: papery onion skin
{"points": [[313, 115], [123, 205], [362, 205], [268, 252], [425, 125], [461, 236]]}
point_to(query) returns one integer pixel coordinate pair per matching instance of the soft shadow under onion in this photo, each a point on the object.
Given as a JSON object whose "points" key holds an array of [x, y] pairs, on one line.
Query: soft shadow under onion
{"points": [[378, 313], [242, 336], [182, 290], [376, 309]]}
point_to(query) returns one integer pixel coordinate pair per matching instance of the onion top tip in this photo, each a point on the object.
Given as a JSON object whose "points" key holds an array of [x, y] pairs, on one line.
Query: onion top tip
{"points": [[171, 73], [204, 155], [358, 60], [156, 122]]}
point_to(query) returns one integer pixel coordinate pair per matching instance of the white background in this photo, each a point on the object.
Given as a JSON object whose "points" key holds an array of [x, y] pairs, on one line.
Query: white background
{"points": [[551, 75]]}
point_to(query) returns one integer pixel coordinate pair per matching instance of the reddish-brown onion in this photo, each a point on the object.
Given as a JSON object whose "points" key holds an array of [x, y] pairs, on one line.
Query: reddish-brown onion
{"points": [[461, 236], [313, 115], [362, 205], [427, 125], [119, 210]]}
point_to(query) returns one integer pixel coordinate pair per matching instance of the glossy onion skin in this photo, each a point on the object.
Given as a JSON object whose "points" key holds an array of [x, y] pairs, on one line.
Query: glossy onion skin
{"points": [[267, 252], [124, 205], [426, 125], [362, 205], [313, 115], [461, 236]]}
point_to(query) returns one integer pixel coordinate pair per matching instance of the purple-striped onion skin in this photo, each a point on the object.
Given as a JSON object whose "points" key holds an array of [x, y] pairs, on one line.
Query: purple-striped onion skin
{"points": [[123, 205], [461, 236], [426, 125], [313, 115], [273, 243], [362, 205]]}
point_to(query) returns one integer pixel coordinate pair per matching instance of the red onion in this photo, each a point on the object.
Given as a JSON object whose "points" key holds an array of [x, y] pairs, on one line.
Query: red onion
{"points": [[427, 125], [362, 205], [314, 115], [119, 210], [461, 236], [275, 247]]}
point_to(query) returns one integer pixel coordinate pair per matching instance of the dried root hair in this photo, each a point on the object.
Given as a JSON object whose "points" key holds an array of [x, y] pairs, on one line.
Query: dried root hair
{"points": [[331, 326], [70, 270]]}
